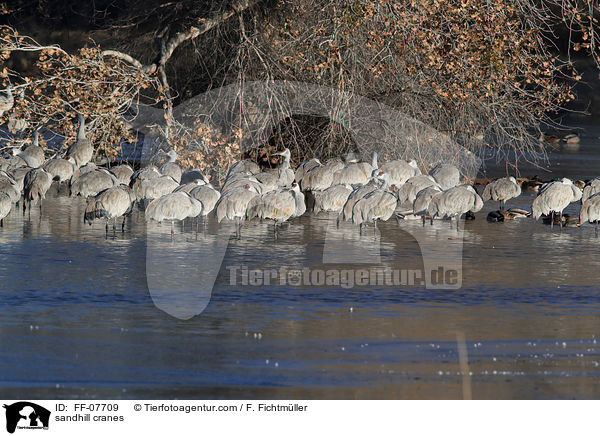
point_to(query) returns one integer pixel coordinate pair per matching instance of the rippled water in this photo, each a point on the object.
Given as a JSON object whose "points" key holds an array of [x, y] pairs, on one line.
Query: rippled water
{"points": [[79, 320]]}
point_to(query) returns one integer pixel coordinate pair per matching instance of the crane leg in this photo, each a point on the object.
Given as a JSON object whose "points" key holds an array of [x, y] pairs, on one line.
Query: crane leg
{"points": [[552, 220], [360, 227], [423, 220], [172, 229], [560, 222], [337, 222], [123, 225], [2, 222], [597, 221]]}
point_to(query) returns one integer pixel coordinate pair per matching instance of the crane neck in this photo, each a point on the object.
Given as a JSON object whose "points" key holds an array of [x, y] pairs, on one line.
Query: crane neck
{"points": [[81, 131]]}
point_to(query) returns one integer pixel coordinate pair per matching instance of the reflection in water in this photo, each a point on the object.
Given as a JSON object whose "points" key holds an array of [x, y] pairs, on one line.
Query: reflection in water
{"points": [[79, 315]]}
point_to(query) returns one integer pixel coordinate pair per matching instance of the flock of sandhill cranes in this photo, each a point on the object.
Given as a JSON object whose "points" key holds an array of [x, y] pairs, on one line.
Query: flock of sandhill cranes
{"points": [[358, 191]]}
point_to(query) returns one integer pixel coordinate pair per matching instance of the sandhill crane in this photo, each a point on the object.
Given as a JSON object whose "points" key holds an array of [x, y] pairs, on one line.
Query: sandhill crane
{"points": [[423, 199], [241, 166], [234, 203], [286, 174], [35, 185], [268, 179], [90, 166], [173, 206], [9, 186], [92, 182], [379, 180], [82, 149], [33, 155], [207, 195], [400, 170], [7, 100], [149, 172], [356, 173], [18, 175], [591, 188], [501, 190], [191, 175], [123, 173], [454, 202], [170, 168], [279, 205], [590, 211], [150, 189], [61, 170], [554, 198], [379, 204], [5, 207], [318, 178], [239, 182], [281, 176], [408, 192], [447, 175], [304, 167], [109, 205], [332, 199]]}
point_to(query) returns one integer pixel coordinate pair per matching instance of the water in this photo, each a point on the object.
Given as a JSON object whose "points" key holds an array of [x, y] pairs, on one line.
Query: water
{"points": [[78, 320]]}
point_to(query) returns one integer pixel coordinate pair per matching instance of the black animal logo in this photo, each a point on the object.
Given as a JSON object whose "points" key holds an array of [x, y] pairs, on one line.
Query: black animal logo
{"points": [[26, 414]]}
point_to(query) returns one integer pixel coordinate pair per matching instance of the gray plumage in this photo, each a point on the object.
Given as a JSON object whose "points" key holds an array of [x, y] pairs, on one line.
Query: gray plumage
{"points": [[304, 167], [18, 174], [92, 182], [423, 199], [123, 173], [191, 175], [109, 204], [170, 168], [554, 197], [447, 175], [378, 180], [35, 185], [407, 193], [400, 170], [332, 199], [501, 190], [9, 186], [281, 176], [146, 173], [356, 173], [233, 203], [149, 189], [173, 206], [90, 166], [279, 205], [5, 206], [33, 154], [590, 210], [454, 202], [239, 182], [269, 180], [378, 204], [243, 166], [7, 100], [82, 149], [62, 170], [591, 188], [207, 195]]}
